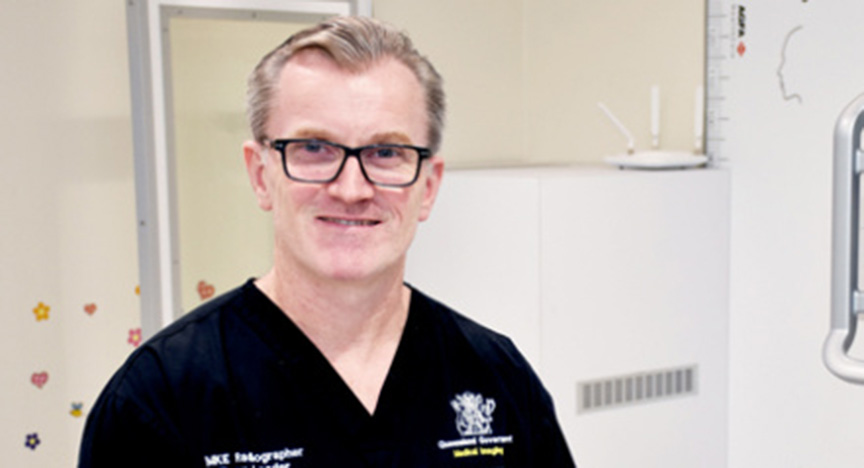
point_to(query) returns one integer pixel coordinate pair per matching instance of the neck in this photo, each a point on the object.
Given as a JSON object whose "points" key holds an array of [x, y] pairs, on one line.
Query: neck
{"points": [[337, 314]]}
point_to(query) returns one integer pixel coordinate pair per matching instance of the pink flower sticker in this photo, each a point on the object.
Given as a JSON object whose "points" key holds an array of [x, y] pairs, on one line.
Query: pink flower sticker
{"points": [[134, 337]]}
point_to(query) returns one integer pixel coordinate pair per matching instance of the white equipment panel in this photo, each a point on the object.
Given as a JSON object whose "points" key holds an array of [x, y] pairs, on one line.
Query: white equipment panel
{"points": [[614, 284]]}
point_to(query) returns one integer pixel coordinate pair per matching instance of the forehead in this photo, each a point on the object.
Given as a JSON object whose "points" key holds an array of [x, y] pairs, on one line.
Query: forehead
{"points": [[316, 94]]}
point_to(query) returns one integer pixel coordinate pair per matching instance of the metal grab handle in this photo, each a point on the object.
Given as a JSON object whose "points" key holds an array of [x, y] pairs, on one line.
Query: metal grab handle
{"points": [[846, 300]]}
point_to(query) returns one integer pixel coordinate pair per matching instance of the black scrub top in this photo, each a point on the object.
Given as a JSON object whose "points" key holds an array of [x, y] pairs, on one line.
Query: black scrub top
{"points": [[237, 384]]}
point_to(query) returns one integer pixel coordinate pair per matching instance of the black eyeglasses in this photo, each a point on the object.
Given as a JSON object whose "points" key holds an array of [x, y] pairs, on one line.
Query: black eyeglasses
{"points": [[319, 161]]}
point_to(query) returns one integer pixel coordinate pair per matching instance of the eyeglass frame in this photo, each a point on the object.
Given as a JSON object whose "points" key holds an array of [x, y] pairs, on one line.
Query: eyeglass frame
{"points": [[280, 145]]}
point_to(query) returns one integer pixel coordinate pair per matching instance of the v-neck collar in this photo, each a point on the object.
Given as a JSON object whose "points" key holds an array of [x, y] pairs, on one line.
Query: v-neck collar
{"points": [[300, 355]]}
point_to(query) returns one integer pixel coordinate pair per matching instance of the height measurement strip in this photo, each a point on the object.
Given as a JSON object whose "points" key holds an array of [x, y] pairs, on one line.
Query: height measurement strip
{"points": [[720, 47]]}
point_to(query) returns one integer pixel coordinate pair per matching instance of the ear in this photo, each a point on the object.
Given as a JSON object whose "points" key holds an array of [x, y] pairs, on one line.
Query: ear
{"points": [[256, 167], [431, 184]]}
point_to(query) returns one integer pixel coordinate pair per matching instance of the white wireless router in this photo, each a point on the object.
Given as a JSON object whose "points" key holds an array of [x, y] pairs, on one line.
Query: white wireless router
{"points": [[657, 158]]}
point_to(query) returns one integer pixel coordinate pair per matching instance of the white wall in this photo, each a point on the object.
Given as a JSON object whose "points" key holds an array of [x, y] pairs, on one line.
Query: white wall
{"points": [[68, 218]]}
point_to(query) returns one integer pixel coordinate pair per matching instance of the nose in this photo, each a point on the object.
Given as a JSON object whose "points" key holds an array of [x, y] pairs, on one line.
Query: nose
{"points": [[351, 185]]}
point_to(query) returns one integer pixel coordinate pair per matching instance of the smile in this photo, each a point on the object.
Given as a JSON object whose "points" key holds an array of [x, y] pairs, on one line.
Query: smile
{"points": [[350, 222]]}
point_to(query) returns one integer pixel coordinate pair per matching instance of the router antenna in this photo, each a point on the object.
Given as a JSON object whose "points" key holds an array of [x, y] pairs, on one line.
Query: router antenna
{"points": [[631, 146]]}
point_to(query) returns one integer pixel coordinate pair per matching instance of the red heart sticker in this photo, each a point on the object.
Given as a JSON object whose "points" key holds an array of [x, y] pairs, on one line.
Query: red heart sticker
{"points": [[90, 308], [205, 290], [39, 379]]}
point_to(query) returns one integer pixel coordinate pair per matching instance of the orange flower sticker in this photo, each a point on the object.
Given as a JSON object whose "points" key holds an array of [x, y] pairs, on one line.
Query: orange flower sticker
{"points": [[41, 311]]}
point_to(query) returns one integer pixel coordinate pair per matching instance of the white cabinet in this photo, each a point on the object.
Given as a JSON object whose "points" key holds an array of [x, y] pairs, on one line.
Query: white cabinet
{"points": [[608, 281]]}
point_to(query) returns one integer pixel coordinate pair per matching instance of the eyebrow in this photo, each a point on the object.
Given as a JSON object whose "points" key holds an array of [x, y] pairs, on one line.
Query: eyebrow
{"points": [[313, 133], [377, 138], [391, 137]]}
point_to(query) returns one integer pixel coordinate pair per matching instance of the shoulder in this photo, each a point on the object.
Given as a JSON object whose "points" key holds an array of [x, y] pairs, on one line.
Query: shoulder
{"points": [[201, 325], [492, 347], [188, 346], [139, 405]]}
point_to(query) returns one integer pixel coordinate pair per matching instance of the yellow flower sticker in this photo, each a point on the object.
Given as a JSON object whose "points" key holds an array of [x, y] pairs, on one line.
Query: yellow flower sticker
{"points": [[41, 311]]}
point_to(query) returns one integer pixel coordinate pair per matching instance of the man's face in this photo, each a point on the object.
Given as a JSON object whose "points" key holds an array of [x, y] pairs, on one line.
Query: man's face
{"points": [[347, 229]]}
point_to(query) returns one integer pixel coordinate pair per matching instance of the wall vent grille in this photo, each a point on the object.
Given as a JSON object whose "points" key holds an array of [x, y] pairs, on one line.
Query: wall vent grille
{"points": [[632, 389]]}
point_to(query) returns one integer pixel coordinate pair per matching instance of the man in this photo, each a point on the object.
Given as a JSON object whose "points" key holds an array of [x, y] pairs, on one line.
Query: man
{"points": [[330, 359]]}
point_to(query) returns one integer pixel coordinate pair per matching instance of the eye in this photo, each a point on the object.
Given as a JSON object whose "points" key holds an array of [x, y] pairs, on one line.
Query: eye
{"points": [[387, 152], [312, 147], [312, 150]]}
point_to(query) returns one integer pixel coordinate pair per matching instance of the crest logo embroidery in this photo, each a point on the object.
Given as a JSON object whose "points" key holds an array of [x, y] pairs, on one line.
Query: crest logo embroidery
{"points": [[473, 414]]}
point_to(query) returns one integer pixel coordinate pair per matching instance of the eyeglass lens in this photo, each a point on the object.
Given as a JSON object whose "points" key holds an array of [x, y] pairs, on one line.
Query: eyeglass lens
{"points": [[318, 161]]}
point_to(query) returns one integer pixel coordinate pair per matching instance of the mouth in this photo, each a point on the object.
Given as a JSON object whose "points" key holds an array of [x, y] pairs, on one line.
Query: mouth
{"points": [[349, 222]]}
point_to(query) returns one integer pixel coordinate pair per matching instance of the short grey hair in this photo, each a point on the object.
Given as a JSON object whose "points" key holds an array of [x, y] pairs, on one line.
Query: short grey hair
{"points": [[354, 43]]}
